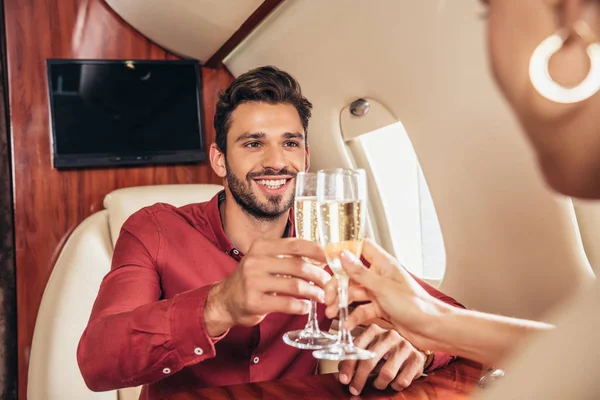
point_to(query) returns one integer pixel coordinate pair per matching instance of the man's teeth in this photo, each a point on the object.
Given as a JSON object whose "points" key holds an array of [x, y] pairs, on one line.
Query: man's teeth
{"points": [[271, 183]]}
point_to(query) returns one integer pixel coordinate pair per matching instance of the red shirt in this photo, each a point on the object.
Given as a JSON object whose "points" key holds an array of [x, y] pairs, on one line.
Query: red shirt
{"points": [[146, 326]]}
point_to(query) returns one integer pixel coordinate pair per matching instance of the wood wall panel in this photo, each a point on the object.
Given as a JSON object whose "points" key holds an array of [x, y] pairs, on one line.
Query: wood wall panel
{"points": [[8, 316], [262, 12], [49, 204]]}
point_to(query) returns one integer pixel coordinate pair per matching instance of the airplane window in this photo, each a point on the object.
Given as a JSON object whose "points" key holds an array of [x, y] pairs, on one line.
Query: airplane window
{"points": [[404, 196], [434, 255]]}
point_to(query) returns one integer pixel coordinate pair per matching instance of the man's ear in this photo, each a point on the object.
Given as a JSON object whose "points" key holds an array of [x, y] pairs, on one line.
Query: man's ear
{"points": [[307, 159], [217, 161]]}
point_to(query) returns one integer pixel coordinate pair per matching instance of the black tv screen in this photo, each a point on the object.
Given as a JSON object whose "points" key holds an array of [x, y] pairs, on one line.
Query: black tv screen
{"points": [[125, 112]]}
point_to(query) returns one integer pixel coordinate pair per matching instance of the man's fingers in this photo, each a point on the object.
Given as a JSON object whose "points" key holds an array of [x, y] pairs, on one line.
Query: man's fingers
{"points": [[309, 272], [375, 339], [332, 310], [284, 304], [394, 364], [347, 367], [361, 314], [289, 247], [292, 287], [292, 266], [413, 368], [331, 292]]}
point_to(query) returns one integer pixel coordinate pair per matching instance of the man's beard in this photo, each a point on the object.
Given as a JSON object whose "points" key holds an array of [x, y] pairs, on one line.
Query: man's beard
{"points": [[242, 192]]}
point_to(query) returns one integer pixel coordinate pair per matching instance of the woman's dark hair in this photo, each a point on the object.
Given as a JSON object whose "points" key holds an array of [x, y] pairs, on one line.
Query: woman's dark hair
{"points": [[264, 84]]}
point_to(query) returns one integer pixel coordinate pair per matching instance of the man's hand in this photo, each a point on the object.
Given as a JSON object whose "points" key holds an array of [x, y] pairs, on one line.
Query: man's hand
{"points": [[272, 277], [402, 362]]}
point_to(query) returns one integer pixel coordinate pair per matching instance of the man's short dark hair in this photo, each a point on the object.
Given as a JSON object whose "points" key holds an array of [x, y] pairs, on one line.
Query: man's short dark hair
{"points": [[264, 84]]}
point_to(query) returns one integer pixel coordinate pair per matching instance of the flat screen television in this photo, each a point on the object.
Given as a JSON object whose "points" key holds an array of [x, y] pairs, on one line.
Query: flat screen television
{"points": [[125, 112]]}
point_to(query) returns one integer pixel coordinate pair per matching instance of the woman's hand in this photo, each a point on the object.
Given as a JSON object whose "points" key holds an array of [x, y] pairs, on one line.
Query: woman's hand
{"points": [[391, 292]]}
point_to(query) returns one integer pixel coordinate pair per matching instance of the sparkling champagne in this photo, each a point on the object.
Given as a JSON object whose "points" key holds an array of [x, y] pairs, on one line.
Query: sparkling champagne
{"points": [[342, 228], [305, 213]]}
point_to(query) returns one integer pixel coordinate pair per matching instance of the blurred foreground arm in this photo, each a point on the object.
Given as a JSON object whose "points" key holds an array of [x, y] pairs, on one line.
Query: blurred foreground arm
{"points": [[425, 321]]}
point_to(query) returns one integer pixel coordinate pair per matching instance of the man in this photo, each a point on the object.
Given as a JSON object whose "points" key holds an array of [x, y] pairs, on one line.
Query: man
{"points": [[200, 295]]}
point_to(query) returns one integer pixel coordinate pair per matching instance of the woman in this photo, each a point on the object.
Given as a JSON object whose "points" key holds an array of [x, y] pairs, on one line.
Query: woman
{"points": [[560, 115]]}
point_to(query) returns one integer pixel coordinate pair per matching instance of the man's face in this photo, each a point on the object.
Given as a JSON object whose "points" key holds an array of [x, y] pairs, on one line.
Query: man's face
{"points": [[265, 150]]}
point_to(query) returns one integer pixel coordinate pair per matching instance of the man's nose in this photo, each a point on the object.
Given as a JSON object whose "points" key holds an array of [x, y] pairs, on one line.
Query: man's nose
{"points": [[275, 158]]}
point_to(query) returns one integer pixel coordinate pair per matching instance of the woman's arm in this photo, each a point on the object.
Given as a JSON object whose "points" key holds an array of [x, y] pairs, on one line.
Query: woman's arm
{"points": [[427, 322], [481, 337]]}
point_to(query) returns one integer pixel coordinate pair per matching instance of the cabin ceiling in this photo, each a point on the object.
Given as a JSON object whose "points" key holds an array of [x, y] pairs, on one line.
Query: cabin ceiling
{"points": [[189, 28]]}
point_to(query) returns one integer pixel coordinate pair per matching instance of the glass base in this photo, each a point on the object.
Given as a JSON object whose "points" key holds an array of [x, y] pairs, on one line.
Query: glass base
{"points": [[339, 352], [309, 340]]}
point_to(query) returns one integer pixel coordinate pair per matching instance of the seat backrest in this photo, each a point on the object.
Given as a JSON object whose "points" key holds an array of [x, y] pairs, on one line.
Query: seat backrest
{"points": [[64, 312], [73, 287], [122, 203]]}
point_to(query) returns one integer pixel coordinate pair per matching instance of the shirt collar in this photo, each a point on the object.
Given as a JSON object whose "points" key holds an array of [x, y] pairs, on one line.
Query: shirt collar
{"points": [[214, 219]]}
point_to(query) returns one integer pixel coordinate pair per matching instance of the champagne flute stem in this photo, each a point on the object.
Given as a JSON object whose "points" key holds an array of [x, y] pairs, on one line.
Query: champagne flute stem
{"points": [[312, 324], [344, 335]]}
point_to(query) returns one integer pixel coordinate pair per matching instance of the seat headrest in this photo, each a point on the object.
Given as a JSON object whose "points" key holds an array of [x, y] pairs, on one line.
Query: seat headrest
{"points": [[121, 203]]}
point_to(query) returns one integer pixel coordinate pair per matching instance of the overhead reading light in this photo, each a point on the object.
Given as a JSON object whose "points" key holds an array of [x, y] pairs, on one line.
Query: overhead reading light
{"points": [[359, 107]]}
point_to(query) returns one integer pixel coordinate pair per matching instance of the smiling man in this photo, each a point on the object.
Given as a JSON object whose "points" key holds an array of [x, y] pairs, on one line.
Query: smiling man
{"points": [[190, 299]]}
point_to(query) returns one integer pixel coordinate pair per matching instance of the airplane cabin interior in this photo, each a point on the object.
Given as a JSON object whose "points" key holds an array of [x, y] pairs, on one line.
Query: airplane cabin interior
{"points": [[400, 89]]}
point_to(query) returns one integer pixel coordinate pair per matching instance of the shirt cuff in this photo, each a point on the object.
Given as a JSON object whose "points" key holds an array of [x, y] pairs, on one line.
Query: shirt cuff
{"points": [[192, 342], [439, 360]]}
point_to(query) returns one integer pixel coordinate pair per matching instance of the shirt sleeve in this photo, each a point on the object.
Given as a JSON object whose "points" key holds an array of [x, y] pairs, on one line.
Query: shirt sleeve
{"points": [[439, 359], [133, 337]]}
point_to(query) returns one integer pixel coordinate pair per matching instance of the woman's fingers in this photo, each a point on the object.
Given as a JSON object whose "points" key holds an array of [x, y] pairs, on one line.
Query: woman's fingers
{"points": [[375, 254], [362, 314], [355, 294], [358, 293], [358, 272]]}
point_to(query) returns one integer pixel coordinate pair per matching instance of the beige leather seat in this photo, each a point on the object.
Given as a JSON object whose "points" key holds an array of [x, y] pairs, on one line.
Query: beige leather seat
{"points": [[73, 286]]}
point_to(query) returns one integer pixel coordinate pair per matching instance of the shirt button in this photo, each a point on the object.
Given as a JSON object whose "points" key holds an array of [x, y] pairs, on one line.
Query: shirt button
{"points": [[167, 371], [236, 252], [256, 360], [198, 351]]}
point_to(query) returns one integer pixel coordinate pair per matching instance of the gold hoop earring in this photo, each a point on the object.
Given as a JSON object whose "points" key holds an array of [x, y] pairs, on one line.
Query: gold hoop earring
{"points": [[543, 82]]}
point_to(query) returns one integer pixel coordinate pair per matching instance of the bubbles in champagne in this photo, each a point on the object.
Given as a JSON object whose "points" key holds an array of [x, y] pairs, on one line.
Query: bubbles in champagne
{"points": [[342, 229], [305, 213]]}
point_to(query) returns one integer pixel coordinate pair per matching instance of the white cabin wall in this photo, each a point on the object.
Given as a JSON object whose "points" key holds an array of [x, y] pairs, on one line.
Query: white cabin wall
{"points": [[511, 246]]}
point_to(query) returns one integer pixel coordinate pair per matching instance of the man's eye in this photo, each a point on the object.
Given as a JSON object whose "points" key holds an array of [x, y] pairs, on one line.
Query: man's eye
{"points": [[252, 144], [291, 144]]}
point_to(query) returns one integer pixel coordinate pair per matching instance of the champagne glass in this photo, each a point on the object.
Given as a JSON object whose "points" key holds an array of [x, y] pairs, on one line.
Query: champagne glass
{"points": [[305, 213], [342, 209]]}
